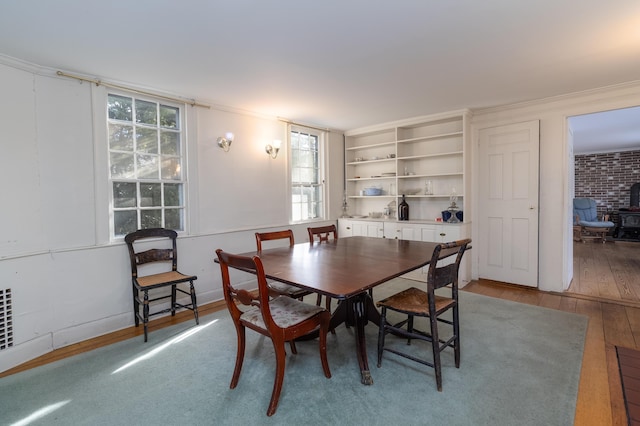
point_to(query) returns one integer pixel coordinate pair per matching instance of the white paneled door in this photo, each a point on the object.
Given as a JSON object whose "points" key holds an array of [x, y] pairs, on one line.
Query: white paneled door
{"points": [[508, 203]]}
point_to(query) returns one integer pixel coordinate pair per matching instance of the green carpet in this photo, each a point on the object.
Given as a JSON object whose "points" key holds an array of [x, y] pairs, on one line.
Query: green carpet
{"points": [[520, 365]]}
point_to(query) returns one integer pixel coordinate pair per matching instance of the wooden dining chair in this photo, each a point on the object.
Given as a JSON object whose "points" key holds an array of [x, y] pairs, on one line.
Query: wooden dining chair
{"points": [[142, 284], [322, 234], [277, 288], [281, 319], [414, 302]]}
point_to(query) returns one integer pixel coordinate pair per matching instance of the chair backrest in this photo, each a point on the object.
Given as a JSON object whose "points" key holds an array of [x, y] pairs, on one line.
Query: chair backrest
{"points": [[233, 296], [323, 233], [439, 276], [276, 235], [154, 254], [585, 209]]}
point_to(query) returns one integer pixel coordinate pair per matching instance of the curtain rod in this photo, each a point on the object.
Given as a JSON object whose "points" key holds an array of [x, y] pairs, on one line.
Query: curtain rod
{"points": [[142, 92], [324, 129]]}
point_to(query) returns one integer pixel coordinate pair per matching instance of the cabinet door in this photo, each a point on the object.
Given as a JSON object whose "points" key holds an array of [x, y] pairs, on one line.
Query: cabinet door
{"points": [[390, 230], [428, 233], [448, 233], [345, 228], [401, 231], [367, 229]]}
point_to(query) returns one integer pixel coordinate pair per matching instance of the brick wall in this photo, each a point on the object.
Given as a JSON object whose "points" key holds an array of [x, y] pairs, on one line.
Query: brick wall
{"points": [[607, 178]]}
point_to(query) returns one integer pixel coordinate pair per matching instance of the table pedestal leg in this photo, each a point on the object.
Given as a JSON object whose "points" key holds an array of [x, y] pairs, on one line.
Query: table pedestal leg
{"points": [[357, 311]]}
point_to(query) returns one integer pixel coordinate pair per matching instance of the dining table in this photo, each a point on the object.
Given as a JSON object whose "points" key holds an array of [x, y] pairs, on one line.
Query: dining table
{"points": [[346, 269]]}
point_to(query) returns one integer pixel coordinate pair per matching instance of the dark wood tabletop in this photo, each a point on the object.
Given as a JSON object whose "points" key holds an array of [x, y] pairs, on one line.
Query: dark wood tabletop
{"points": [[344, 267]]}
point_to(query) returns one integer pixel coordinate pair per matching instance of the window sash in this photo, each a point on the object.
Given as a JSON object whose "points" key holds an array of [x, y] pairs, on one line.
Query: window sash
{"points": [[306, 176], [146, 156]]}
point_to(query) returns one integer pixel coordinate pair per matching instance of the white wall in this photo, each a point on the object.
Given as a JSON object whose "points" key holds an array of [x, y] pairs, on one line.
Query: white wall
{"points": [[555, 230], [68, 281]]}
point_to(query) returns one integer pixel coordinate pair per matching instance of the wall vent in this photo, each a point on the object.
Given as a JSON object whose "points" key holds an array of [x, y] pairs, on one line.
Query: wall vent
{"points": [[6, 319]]}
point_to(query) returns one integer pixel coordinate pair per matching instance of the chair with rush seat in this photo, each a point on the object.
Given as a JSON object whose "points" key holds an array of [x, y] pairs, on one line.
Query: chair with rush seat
{"points": [[415, 302], [282, 319], [142, 284]]}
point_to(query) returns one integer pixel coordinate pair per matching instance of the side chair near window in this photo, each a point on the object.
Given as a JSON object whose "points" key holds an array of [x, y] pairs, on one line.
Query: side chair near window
{"points": [[142, 284], [278, 288], [281, 319], [323, 234], [415, 302], [586, 224]]}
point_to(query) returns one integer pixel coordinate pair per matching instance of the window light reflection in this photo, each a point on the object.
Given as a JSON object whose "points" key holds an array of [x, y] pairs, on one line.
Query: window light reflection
{"points": [[162, 347], [41, 413]]}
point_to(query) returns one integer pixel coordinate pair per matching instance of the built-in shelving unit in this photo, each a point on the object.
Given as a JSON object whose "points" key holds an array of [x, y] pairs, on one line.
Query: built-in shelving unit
{"points": [[422, 158]]}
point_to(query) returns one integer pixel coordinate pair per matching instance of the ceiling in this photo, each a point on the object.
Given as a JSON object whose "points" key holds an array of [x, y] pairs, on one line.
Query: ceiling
{"points": [[335, 63]]}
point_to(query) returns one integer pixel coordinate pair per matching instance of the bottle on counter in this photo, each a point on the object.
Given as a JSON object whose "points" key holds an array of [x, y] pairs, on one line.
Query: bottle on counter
{"points": [[403, 209]]}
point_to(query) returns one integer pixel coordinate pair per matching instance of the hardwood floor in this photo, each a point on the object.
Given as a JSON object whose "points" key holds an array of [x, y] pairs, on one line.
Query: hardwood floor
{"points": [[607, 271], [600, 400]]}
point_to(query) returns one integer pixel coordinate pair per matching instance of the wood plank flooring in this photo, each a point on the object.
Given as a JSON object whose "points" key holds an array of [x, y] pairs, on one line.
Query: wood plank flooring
{"points": [[607, 271], [600, 398]]}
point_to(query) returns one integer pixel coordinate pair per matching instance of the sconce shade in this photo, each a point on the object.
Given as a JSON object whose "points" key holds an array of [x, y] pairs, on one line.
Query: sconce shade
{"points": [[225, 142], [272, 150]]}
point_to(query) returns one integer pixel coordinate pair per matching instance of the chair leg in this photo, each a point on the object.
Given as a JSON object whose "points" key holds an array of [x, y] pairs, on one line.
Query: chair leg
{"points": [[173, 300], [194, 302], [145, 313], [324, 325], [435, 346], [292, 345], [136, 306], [381, 334], [409, 327], [456, 331], [327, 306], [240, 331], [278, 345]]}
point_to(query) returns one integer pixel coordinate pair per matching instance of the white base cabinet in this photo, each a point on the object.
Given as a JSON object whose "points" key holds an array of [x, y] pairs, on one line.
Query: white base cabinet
{"points": [[415, 231]]}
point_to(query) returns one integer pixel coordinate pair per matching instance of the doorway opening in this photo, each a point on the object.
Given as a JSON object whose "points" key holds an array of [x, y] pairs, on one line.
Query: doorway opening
{"points": [[605, 166]]}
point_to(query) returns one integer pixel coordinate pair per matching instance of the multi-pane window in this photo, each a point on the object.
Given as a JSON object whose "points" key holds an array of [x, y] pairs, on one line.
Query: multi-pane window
{"points": [[145, 164], [307, 181]]}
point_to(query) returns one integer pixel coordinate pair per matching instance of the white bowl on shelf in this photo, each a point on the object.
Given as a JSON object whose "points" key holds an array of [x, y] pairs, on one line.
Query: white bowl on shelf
{"points": [[372, 191]]}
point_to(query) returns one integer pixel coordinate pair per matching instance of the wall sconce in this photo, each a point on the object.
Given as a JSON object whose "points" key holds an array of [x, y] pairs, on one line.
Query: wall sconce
{"points": [[225, 142], [272, 150]]}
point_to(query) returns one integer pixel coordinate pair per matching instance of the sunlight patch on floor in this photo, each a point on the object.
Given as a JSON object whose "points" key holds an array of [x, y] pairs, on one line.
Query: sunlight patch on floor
{"points": [[162, 347], [40, 413]]}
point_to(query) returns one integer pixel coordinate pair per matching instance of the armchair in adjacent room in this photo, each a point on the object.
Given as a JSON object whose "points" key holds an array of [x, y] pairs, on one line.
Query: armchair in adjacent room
{"points": [[586, 223]]}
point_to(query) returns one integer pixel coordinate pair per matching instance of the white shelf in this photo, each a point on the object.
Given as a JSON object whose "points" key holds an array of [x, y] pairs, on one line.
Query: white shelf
{"points": [[442, 154], [374, 145], [426, 138], [430, 148]]}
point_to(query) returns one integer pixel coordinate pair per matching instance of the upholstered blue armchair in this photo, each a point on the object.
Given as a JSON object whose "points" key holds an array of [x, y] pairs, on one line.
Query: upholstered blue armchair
{"points": [[586, 223]]}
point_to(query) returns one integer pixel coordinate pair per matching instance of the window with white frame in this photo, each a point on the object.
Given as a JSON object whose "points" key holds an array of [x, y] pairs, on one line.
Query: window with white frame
{"points": [[307, 175], [146, 158]]}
